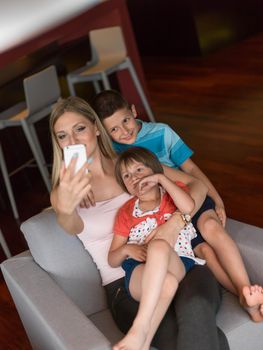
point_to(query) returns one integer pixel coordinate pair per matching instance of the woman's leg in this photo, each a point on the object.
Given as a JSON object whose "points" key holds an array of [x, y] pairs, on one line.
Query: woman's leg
{"points": [[229, 256], [196, 303]]}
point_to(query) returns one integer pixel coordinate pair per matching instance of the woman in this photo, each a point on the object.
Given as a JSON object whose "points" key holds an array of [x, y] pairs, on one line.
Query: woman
{"points": [[86, 204]]}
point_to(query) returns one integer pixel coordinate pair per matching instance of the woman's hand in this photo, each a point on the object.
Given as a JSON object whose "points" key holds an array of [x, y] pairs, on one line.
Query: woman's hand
{"points": [[68, 195], [169, 230], [73, 188], [137, 252]]}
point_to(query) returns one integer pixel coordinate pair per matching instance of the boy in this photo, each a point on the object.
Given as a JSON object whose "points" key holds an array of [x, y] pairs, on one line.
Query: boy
{"points": [[125, 130]]}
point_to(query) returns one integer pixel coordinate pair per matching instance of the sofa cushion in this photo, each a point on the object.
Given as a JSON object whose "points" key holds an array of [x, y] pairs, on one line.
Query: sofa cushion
{"points": [[249, 239], [63, 256], [241, 332]]}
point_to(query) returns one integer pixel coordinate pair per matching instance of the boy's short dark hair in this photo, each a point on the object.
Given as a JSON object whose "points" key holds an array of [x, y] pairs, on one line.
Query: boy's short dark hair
{"points": [[107, 102], [138, 154]]}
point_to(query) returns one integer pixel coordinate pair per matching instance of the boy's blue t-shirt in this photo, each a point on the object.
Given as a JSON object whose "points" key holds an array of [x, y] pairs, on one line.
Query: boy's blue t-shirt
{"points": [[161, 140]]}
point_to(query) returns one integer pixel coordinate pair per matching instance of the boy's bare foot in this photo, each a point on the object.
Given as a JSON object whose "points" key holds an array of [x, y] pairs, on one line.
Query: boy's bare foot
{"points": [[134, 340], [253, 301]]}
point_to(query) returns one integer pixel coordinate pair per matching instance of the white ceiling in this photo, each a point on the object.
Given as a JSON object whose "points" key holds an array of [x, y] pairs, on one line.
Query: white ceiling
{"points": [[21, 20]]}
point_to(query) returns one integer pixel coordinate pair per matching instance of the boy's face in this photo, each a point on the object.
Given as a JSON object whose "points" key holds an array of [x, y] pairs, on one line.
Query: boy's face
{"points": [[132, 174], [122, 126]]}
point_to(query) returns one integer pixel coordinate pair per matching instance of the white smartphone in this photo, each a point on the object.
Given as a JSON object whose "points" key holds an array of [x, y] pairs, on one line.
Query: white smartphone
{"points": [[78, 151]]}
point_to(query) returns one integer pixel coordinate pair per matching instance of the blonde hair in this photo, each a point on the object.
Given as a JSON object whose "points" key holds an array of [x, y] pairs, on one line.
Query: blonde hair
{"points": [[79, 106]]}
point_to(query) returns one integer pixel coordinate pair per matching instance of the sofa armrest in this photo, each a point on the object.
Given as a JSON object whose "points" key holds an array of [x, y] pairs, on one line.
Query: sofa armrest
{"points": [[51, 319], [250, 242]]}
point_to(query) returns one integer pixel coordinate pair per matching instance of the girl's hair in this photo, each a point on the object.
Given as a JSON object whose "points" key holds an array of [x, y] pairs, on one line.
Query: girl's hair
{"points": [[81, 107], [107, 102], [140, 155]]}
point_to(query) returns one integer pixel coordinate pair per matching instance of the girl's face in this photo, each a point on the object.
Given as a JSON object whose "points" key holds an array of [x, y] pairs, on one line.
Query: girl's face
{"points": [[72, 128], [132, 174]]}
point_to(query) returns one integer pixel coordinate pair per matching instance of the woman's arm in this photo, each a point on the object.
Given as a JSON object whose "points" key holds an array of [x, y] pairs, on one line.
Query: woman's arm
{"points": [[197, 189], [120, 250], [66, 197], [169, 230]]}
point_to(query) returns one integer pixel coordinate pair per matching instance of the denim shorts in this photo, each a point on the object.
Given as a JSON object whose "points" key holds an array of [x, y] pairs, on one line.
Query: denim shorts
{"points": [[207, 205], [129, 265]]}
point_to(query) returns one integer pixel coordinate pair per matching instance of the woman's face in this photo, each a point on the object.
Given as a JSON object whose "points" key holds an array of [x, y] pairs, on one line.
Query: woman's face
{"points": [[72, 128]]}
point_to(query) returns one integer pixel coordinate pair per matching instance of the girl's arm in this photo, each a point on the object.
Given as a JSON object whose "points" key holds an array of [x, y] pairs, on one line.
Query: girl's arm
{"points": [[120, 250], [66, 197], [197, 189], [182, 199]]}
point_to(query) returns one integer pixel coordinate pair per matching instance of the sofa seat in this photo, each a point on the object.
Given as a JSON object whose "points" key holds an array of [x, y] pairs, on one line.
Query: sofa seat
{"points": [[58, 294]]}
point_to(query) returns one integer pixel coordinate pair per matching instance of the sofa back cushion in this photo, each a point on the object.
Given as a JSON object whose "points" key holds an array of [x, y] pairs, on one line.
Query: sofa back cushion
{"points": [[64, 258]]}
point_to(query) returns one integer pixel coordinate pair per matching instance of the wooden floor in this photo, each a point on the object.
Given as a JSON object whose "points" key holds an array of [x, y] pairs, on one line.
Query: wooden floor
{"points": [[215, 103]]}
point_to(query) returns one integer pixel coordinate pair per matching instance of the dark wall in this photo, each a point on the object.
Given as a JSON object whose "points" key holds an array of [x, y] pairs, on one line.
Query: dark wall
{"points": [[164, 27], [191, 27]]}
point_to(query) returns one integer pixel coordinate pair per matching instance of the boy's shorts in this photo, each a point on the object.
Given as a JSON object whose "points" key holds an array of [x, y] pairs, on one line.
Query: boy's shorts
{"points": [[208, 204], [129, 265]]}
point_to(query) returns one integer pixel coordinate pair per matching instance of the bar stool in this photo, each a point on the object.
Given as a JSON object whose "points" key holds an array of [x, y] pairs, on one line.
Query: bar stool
{"points": [[108, 55], [4, 245], [8, 183], [41, 91]]}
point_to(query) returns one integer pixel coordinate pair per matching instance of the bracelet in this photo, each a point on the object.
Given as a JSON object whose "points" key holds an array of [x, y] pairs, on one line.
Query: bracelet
{"points": [[186, 218]]}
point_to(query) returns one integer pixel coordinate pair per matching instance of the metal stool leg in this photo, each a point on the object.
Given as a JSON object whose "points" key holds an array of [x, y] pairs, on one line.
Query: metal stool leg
{"points": [[105, 81], [71, 87], [8, 184], [42, 169], [4, 245], [96, 86], [37, 143], [140, 89]]}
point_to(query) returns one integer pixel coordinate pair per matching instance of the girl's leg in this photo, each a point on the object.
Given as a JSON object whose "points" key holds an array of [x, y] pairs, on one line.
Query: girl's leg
{"points": [[175, 276], [124, 310], [230, 259], [152, 285], [206, 252]]}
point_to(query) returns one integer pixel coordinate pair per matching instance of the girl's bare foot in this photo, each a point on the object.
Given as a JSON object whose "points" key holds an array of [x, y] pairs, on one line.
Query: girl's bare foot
{"points": [[252, 300], [134, 340]]}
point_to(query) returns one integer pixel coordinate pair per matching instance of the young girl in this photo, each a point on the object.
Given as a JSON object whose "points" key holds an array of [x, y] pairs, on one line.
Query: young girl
{"points": [[154, 280]]}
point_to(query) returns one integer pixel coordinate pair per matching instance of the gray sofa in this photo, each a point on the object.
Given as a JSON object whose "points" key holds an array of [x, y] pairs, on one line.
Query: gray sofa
{"points": [[58, 294]]}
